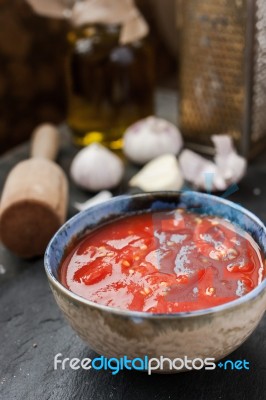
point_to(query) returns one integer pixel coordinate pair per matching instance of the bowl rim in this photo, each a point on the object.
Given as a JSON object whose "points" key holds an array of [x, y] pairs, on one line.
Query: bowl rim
{"points": [[252, 295]]}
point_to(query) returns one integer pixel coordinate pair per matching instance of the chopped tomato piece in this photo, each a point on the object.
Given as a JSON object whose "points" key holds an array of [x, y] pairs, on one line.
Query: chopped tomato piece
{"points": [[91, 274]]}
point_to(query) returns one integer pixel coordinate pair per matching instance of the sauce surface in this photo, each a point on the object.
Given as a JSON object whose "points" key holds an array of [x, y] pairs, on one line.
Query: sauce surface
{"points": [[164, 262]]}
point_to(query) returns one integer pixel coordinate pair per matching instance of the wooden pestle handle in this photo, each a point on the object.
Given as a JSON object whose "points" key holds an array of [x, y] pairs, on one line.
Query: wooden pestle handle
{"points": [[45, 142]]}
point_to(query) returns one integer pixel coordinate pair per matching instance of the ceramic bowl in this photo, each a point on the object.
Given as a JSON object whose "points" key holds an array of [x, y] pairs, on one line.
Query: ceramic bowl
{"points": [[213, 332]]}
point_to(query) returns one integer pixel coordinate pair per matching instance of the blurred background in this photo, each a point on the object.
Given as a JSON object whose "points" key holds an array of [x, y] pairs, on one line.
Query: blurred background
{"points": [[33, 51]]}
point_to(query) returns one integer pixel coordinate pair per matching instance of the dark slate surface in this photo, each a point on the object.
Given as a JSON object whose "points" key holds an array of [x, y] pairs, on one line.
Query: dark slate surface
{"points": [[32, 330]]}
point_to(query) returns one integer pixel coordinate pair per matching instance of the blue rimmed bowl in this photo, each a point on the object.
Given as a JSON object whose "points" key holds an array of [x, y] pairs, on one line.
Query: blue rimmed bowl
{"points": [[213, 332]]}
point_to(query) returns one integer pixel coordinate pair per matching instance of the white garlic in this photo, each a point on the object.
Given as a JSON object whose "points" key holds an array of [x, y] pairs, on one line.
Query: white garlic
{"points": [[96, 168], [231, 165], [150, 138], [99, 198], [228, 167], [199, 171], [162, 173]]}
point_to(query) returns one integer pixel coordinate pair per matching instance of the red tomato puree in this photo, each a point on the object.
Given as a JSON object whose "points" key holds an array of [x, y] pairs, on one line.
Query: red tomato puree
{"points": [[164, 262]]}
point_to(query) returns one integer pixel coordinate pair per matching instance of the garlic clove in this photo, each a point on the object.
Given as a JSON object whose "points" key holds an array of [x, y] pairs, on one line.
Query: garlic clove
{"points": [[104, 195], [162, 173], [232, 166], [201, 172], [223, 144], [228, 167], [150, 138], [96, 168]]}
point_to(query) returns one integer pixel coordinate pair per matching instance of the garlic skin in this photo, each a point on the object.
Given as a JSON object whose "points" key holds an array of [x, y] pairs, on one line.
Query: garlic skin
{"points": [[96, 168], [150, 138], [162, 173]]}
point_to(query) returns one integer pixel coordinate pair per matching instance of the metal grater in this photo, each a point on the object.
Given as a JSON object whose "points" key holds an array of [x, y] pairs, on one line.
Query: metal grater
{"points": [[223, 72]]}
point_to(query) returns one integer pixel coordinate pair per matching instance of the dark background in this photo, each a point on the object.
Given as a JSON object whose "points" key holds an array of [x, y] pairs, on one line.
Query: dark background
{"points": [[33, 52]]}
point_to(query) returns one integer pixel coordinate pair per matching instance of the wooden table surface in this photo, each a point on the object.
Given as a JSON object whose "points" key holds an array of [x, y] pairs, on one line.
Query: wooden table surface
{"points": [[33, 330]]}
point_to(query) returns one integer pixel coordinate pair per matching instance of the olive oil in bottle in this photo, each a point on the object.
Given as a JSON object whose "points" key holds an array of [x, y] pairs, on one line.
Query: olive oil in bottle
{"points": [[110, 85]]}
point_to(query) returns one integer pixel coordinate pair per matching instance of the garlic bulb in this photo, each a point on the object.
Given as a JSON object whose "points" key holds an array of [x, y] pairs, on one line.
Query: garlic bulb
{"points": [[96, 168], [162, 173], [150, 138]]}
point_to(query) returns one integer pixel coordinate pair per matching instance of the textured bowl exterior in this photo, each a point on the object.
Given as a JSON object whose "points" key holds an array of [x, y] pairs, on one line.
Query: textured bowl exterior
{"points": [[111, 332]]}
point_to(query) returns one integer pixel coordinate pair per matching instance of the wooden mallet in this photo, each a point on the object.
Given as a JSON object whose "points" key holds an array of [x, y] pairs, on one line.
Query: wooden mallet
{"points": [[34, 199]]}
